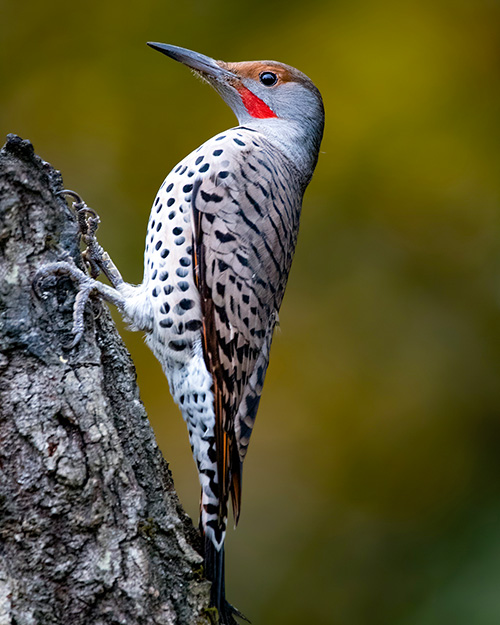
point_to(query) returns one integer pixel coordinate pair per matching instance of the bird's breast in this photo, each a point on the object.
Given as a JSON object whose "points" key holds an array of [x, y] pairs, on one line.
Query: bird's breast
{"points": [[169, 273]]}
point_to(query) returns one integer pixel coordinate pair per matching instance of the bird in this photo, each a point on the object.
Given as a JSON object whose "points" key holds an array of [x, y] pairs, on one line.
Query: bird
{"points": [[220, 241]]}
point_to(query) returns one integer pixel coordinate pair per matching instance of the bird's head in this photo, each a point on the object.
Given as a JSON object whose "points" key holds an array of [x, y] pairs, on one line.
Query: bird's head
{"points": [[274, 98]]}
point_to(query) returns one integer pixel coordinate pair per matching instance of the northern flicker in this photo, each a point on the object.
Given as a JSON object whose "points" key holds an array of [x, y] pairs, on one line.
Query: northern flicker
{"points": [[220, 242]]}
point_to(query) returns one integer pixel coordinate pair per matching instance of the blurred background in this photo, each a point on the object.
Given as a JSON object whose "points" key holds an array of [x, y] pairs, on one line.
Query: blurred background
{"points": [[372, 485]]}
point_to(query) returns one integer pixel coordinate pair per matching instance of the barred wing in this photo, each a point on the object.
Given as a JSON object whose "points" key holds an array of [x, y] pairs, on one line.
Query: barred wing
{"points": [[245, 222]]}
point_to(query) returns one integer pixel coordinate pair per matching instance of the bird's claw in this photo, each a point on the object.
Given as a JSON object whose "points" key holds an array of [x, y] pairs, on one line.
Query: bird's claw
{"points": [[85, 284], [88, 223], [95, 257]]}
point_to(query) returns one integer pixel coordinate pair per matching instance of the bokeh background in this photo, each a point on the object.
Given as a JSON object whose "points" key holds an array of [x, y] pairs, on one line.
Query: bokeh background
{"points": [[372, 484]]}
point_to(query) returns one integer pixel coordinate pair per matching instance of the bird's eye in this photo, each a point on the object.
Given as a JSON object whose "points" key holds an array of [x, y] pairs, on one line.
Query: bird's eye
{"points": [[268, 79]]}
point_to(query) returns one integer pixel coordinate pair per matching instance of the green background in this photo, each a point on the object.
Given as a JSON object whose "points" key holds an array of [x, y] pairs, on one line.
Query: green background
{"points": [[371, 487]]}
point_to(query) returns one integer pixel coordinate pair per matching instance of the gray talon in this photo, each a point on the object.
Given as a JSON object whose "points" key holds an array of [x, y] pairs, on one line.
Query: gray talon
{"points": [[94, 256], [85, 286], [96, 260], [88, 222], [73, 194]]}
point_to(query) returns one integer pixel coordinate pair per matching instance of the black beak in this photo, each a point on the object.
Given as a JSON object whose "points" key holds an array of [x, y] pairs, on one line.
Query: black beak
{"points": [[199, 62]]}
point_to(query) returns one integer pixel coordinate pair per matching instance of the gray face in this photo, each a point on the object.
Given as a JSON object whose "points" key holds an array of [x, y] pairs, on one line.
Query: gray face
{"points": [[274, 98], [295, 100]]}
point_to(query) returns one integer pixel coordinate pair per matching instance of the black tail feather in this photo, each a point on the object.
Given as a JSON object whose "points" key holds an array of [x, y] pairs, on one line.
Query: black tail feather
{"points": [[214, 570]]}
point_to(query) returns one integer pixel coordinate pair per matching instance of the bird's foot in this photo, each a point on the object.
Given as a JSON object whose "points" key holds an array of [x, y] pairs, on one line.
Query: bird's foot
{"points": [[94, 256], [85, 284], [96, 259]]}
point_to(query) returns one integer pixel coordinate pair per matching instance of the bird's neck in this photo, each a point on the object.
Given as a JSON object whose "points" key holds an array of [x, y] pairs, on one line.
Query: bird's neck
{"points": [[294, 140]]}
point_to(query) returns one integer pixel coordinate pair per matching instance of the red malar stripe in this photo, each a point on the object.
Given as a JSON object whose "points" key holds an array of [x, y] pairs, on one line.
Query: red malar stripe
{"points": [[254, 105]]}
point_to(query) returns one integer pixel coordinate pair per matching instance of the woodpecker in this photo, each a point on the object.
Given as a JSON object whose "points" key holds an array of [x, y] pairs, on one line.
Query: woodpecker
{"points": [[219, 245]]}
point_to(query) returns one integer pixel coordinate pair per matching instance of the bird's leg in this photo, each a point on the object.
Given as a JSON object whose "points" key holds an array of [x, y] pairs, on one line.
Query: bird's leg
{"points": [[96, 259]]}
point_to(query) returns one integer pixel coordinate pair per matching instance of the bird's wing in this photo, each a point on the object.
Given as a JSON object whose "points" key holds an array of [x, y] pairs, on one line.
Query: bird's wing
{"points": [[245, 222]]}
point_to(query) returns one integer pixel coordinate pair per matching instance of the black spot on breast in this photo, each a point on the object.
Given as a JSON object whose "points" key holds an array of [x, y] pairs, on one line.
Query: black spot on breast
{"points": [[179, 240], [171, 215], [187, 188], [193, 325], [221, 137], [159, 208], [183, 285], [155, 292], [158, 245], [186, 304], [223, 174], [177, 231], [204, 168], [166, 323], [198, 160], [185, 261], [182, 273], [164, 253], [170, 201], [165, 308], [177, 346], [238, 141], [217, 152], [167, 289], [154, 274], [170, 187], [163, 276], [158, 227], [157, 200]]}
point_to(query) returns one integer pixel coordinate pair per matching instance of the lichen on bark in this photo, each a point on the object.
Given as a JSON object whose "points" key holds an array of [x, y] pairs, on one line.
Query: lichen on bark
{"points": [[91, 530]]}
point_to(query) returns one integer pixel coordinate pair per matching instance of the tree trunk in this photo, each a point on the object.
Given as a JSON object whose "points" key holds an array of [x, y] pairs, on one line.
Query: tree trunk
{"points": [[91, 530]]}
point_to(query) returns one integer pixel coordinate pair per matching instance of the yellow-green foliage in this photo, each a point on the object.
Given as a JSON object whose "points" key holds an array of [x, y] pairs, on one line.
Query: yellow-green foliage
{"points": [[371, 485]]}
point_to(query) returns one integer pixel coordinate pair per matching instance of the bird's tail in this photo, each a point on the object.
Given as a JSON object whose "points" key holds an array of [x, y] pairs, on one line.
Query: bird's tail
{"points": [[214, 570]]}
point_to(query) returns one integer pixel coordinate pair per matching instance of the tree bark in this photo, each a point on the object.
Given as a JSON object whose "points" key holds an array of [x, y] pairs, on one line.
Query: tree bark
{"points": [[91, 530]]}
